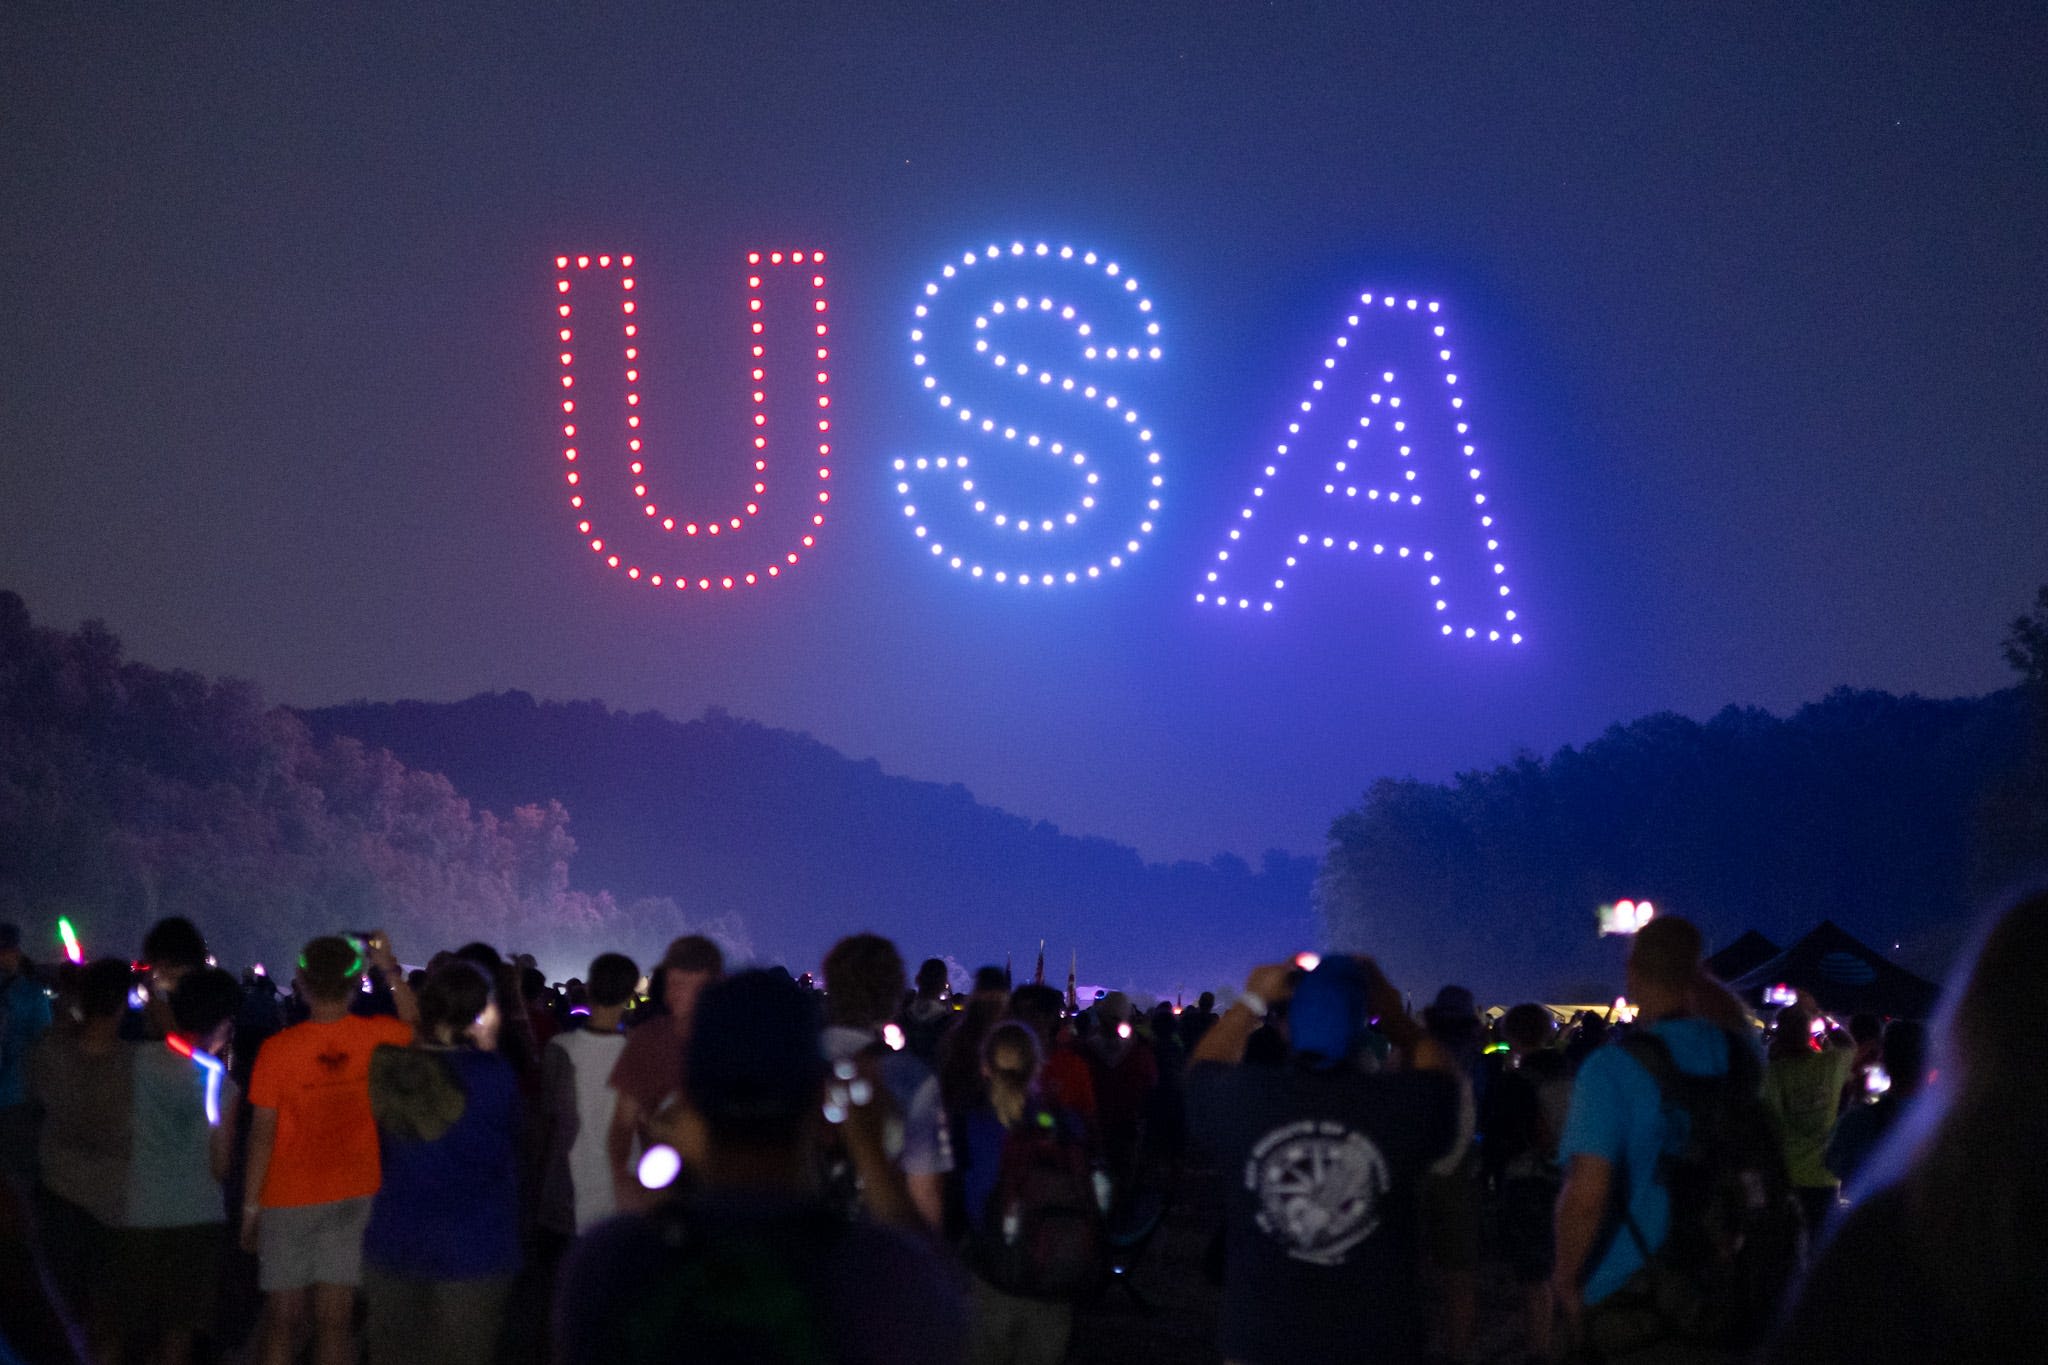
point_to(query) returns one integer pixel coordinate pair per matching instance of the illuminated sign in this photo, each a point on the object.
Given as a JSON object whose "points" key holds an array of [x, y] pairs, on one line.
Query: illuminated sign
{"points": [[1023, 345]]}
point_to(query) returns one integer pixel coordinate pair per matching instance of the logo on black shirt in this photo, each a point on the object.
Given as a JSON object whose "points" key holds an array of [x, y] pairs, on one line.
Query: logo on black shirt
{"points": [[1318, 1184]]}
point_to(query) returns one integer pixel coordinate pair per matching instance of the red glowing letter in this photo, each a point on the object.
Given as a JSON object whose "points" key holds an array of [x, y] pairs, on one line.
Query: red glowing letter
{"points": [[603, 454]]}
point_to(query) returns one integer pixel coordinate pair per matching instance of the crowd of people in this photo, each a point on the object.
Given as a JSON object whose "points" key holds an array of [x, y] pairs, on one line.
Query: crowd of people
{"points": [[462, 1162]]}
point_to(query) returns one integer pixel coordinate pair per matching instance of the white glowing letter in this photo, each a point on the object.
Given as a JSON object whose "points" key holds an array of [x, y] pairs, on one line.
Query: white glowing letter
{"points": [[1040, 507]]}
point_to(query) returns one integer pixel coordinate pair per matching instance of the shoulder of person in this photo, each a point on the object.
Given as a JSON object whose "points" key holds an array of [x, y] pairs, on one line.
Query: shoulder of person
{"points": [[907, 1073], [386, 1027], [1208, 1075]]}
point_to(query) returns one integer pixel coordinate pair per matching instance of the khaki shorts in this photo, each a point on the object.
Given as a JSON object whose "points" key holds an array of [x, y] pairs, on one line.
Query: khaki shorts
{"points": [[312, 1244]]}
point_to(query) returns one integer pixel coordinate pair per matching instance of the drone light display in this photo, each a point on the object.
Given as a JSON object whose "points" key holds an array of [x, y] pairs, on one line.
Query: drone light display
{"points": [[1042, 531], [1378, 459], [1383, 429], [592, 453]]}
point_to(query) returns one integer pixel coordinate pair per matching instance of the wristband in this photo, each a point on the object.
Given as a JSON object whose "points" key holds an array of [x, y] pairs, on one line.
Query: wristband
{"points": [[1254, 1002]]}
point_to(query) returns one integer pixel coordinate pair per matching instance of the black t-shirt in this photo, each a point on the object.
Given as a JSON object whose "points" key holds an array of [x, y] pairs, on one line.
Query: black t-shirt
{"points": [[750, 1280], [1869, 1301], [1320, 1185]]}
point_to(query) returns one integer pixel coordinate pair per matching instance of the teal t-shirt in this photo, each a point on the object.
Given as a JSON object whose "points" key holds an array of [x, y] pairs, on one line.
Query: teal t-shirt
{"points": [[24, 1018], [1618, 1114], [170, 1174]]}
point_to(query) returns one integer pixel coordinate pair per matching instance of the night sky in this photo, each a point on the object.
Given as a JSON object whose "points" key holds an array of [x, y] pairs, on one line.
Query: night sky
{"points": [[1749, 303]]}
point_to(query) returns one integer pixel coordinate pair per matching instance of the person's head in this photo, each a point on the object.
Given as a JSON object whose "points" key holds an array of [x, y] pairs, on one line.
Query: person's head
{"points": [[691, 963], [1453, 1018], [612, 979], [1664, 965], [1976, 1183], [330, 971], [203, 1006], [102, 991], [1206, 1001], [533, 985], [1527, 1028], [1904, 1056], [991, 983], [172, 947], [459, 1007], [1113, 1009], [863, 981], [932, 978], [1038, 1007], [1980, 1039], [755, 1071], [1792, 1032], [1010, 1059]]}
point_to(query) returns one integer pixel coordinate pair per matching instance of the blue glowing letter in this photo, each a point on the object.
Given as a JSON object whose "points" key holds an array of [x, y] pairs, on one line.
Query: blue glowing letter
{"points": [[1070, 508], [1378, 461]]}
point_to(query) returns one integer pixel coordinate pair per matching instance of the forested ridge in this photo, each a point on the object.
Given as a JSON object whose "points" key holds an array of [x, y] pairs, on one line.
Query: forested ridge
{"points": [[129, 792], [1900, 818]]}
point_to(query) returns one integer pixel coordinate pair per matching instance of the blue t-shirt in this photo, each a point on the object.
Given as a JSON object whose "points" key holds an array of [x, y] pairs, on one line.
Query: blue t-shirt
{"points": [[24, 1017], [982, 1163], [449, 1209], [1618, 1114]]}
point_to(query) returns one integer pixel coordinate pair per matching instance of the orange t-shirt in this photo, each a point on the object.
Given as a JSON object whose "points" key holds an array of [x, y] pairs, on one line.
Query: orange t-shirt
{"points": [[317, 1077]]}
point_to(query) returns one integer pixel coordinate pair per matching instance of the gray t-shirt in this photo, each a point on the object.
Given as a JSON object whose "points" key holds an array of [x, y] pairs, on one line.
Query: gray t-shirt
{"points": [[170, 1171], [84, 1146]]}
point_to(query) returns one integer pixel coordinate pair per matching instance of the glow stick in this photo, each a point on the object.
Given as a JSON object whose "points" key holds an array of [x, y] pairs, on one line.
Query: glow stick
{"points": [[213, 1068], [72, 952]]}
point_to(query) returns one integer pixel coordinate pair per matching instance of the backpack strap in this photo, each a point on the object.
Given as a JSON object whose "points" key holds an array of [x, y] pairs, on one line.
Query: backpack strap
{"points": [[1653, 1054], [1680, 1089]]}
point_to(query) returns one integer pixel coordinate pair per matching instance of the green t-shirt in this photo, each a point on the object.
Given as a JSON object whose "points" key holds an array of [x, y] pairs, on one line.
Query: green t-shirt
{"points": [[1804, 1092]]}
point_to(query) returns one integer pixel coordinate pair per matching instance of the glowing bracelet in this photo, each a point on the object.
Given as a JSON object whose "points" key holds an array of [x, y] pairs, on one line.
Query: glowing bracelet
{"points": [[213, 1068]]}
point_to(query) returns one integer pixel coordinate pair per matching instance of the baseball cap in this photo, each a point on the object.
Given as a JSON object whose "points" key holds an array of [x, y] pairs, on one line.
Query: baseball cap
{"points": [[1328, 1013]]}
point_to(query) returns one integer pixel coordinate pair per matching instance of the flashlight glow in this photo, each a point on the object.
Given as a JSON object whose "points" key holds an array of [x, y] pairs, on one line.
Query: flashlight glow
{"points": [[72, 952], [659, 1166]]}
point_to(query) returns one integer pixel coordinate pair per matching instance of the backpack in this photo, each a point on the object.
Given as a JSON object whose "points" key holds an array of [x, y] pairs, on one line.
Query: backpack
{"points": [[839, 1182], [1042, 1235], [1735, 1240], [728, 1293]]}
